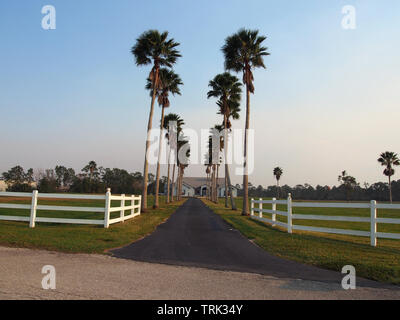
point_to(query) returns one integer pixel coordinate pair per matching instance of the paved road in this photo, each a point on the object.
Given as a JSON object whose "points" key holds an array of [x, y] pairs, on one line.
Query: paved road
{"points": [[84, 276], [195, 236]]}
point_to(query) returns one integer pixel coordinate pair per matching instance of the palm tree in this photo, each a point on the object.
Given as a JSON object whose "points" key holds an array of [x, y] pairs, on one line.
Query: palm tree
{"points": [[170, 118], [243, 52], [153, 48], [278, 173], [227, 88], [169, 83], [389, 160]]}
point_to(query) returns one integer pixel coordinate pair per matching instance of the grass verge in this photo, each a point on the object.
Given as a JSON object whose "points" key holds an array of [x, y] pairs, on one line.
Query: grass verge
{"points": [[82, 238], [322, 250]]}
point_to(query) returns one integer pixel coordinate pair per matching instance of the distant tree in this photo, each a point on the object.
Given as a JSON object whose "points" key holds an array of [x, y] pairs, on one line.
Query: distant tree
{"points": [[69, 177], [137, 182], [389, 160], [120, 181], [278, 173], [64, 176], [18, 180], [47, 185], [91, 170], [349, 183], [15, 175]]}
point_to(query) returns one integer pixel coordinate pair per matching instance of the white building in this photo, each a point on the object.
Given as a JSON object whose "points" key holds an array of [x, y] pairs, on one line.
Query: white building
{"points": [[198, 187], [3, 186]]}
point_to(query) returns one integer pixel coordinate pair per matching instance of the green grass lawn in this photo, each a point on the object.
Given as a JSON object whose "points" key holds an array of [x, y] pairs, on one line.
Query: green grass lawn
{"points": [[79, 238], [324, 250]]}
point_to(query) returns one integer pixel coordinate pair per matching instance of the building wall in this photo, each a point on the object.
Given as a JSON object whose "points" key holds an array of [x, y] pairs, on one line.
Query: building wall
{"points": [[3, 185], [188, 191], [221, 192]]}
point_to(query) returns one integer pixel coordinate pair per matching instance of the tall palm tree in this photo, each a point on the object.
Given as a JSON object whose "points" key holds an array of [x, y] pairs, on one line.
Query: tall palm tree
{"points": [[278, 173], [172, 117], [153, 47], [244, 52], [169, 83], [389, 160], [227, 88]]}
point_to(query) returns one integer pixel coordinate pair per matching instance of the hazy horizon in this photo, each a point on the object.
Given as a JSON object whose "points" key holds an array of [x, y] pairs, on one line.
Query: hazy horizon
{"points": [[327, 102]]}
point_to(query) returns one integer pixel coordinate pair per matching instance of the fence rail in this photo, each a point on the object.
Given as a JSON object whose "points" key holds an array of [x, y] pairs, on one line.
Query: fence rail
{"points": [[134, 208], [373, 234]]}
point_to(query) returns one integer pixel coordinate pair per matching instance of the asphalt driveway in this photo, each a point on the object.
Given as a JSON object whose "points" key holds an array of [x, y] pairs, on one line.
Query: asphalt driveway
{"points": [[197, 237]]}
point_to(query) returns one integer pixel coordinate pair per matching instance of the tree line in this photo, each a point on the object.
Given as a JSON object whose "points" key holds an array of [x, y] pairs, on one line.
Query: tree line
{"points": [[95, 179], [91, 179], [377, 191], [349, 188]]}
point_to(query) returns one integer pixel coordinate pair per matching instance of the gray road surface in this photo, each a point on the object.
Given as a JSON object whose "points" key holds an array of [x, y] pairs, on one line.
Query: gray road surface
{"points": [[83, 276]]}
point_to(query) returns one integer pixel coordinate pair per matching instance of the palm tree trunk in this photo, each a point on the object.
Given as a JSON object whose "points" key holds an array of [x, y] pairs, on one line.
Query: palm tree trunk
{"points": [[207, 185], [245, 210], [173, 183], [217, 196], [156, 202], [233, 203], [146, 163], [210, 186], [277, 188], [214, 182], [226, 162], [178, 184], [168, 176], [390, 190], [227, 174]]}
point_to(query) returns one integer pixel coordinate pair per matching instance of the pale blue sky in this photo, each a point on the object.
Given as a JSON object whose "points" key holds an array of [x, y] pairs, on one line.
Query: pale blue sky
{"points": [[327, 102]]}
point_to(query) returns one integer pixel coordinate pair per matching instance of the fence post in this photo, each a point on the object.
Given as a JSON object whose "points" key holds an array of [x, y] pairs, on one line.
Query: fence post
{"points": [[373, 223], [132, 204], [122, 213], [107, 209], [273, 209], [252, 206], [260, 207], [33, 209], [289, 213], [140, 205]]}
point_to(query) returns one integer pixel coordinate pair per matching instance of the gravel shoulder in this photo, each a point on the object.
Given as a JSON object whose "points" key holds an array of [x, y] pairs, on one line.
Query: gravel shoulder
{"points": [[83, 276]]}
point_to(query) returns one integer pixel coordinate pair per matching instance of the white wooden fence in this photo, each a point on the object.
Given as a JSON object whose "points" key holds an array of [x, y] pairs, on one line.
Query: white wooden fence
{"points": [[106, 210], [373, 219]]}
